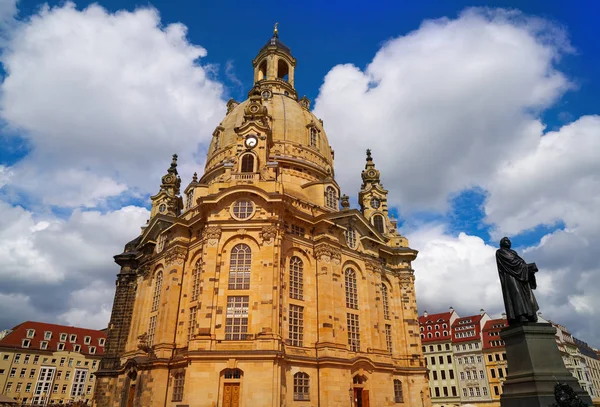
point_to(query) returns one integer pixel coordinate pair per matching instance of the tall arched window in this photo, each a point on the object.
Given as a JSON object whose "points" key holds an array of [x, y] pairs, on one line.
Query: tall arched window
{"points": [[239, 267], [301, 386], [282, 70], [296, 278], [385, 301], [378, 223], [398, 396], [351, 289], [350, 235], [314, 137], [157, 290], [331, 198], [196, 280], [247, 163]]}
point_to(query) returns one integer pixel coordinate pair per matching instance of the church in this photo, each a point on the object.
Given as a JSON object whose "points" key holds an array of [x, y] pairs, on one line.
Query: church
{"points": [[257, 285]]}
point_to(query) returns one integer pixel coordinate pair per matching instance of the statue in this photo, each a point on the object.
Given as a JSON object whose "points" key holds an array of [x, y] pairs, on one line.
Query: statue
{"points": [[518, 280], [566, 397]]}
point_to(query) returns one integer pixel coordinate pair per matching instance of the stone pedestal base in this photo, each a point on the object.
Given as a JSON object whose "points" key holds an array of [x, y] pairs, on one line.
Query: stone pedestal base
{"points": [[534, 367]]}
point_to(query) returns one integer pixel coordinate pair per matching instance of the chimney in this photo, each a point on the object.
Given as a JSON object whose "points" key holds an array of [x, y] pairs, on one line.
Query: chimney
{"points": [[504, 315], [481, 312], [425, 314], [451, 309]]}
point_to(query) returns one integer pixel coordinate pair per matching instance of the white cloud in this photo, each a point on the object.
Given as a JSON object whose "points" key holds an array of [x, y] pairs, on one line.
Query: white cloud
{"points": [[104, 100], [443, 106], [49, 260]]}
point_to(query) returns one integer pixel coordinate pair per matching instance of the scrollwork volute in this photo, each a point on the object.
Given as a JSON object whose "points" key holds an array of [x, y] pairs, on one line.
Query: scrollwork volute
{"points": [[212, 234], [268, 234], [176, 256], [373, 266], [328, 254]]}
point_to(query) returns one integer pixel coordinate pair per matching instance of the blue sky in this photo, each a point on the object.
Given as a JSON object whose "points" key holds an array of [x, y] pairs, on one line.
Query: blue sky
{"points": [[71, 162]]}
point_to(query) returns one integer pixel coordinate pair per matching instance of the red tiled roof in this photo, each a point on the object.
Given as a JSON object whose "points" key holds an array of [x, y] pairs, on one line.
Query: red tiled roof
{"points": [[474, 320], [491, 332], [431, 320], [15, 338]]}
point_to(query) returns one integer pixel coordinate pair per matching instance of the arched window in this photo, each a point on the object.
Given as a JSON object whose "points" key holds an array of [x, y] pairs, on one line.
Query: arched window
{"points": [[282, 70], [157, 290], [247, 163], [262, 71], [429, 335], [429, 328], [331, 198], [296, 278], [314, 137], [350, 235], [437, 327], [437, 334], [444, 326], [239, 267], [301, 386], [422, 336], [445, 333], [421, 329], [398, 396], [378, 223], [384, 300], [351, 289], [196, 280]]}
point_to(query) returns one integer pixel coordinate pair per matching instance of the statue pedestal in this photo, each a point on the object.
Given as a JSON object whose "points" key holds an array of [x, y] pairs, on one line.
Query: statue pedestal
{"points": [[534, 367]]}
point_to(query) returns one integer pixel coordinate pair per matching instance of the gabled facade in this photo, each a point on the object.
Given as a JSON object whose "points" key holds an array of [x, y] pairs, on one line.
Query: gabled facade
{"points": [[259, 290], [494, 354]]}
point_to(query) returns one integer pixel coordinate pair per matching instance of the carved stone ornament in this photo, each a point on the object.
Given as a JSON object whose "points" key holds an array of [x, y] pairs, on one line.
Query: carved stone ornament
{"points": [[268, 233], [144, 346], [405, 278], [144, 271], [373, 266], [212, 234], [176, 256], [328, 253]]}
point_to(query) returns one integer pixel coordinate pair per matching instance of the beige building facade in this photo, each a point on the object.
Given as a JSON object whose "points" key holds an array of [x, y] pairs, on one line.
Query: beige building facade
{"points": [[256, 289], [47, 364]]}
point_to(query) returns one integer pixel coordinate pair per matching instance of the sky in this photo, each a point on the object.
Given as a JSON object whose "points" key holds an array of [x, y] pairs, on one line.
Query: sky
{"points": [[482, 118]]}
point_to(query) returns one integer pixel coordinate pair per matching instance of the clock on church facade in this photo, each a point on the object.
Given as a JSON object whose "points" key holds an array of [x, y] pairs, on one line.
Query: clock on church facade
{"points": [[258, 289]]}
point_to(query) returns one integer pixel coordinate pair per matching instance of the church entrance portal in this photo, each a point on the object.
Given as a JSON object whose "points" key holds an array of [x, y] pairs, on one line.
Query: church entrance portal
{"points": [[361, 397]]}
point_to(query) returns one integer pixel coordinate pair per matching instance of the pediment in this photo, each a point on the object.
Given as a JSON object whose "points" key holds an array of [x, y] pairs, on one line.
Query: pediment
{"points": [[354, 218], [154, 228]]}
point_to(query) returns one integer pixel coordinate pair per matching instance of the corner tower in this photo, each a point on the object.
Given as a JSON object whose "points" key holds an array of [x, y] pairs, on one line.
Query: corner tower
{"points": [[259, 291]]}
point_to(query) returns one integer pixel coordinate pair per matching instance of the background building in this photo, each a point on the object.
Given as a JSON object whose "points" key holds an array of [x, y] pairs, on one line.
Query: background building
{"points": [[257, 290], [495, 356], [50, 364], [436, 336]]}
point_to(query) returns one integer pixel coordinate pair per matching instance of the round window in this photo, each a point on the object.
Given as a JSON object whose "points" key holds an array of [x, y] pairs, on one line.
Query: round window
{"points": [[243, 209], [162, 208]]}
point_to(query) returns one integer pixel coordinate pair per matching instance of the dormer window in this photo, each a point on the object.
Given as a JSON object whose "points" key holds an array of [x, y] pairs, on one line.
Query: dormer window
{"points": [[43, 345], [87, 340], [331, 198], [76, 348], [162, 239], [60, 346], [30, 333], [63, 337], [350, 235], [92, 350], [48, 335], [73, 338], [25, 343]]}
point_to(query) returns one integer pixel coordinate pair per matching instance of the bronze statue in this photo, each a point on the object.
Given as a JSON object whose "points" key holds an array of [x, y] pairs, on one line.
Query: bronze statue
{"points": [[518, 280]]}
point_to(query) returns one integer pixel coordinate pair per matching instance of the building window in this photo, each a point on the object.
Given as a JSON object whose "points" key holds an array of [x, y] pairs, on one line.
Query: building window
{"points": [[350, 235], [301, 386], [388, 337], [63, 337], [25, 343], [296, 278], [22, 374], [247, 163], [151, 330], [297, 230], [192, 324], [189, 202], [331, 198], [30, 333], [48, 335], [43, 345], [13, 372], [353, 332], [314, 137], [233, 374], [351, 289], [87, 340], [239, 267], [243, 209], [60, 346], [398, 395], [485, 391], [296, 321], [178, 385], [79, 382], [76, 348], [385, 301], [92, 350], [236, 325], [196, 280], [101, 341], [157, 290], [378, 223], [162, 240], [9, 387]]}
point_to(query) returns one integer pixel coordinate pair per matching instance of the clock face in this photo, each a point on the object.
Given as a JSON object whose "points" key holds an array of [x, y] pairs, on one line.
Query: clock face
{"points": [[375, 203], [251, 141], [266, 94], [162, 208]]}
